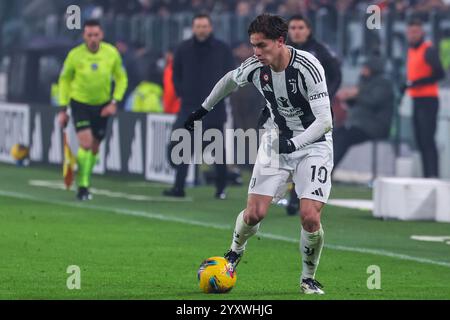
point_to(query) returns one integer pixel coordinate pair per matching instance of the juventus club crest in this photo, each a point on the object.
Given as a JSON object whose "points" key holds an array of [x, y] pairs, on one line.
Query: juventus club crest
{"points": [[266, 77], [293, 83]]}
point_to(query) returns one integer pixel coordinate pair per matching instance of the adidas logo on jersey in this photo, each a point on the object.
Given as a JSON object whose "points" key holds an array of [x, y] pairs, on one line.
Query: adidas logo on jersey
{"points": [[318, 192], [267, 88]]}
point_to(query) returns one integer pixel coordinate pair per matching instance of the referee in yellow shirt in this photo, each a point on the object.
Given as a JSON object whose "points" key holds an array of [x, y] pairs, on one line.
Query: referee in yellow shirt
{"points": [[85, 85]]}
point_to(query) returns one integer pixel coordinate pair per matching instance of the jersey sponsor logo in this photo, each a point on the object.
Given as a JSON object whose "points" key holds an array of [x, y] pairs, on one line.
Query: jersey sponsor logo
{"points": [[293, 83], [318, 96], [286, 109], [94, 66]]}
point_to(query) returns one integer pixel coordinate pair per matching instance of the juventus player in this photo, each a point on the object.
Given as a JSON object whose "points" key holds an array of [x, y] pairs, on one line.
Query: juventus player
{"points": [[294, 86]]}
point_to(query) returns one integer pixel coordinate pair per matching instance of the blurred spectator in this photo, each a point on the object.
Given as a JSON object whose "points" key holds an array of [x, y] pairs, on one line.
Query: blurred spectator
{"points": [[301, 37], [171, 101], [243, 8], [444, 50], [130, 62], [371, 107], [147, 97], [428, 5], [199, 63], [424, 70]]}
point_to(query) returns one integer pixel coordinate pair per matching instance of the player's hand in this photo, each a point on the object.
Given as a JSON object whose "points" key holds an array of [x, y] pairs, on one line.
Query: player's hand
{"points": [[109, 110], [63, 118], [195, 116], [285, 145]]}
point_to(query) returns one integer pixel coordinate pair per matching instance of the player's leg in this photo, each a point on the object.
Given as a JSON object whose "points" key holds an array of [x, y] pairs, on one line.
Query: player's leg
{"points": [[247, 224], [313, 186], [265, 184], [83, 126], [98, 128], [84, 159], [311, 243]]}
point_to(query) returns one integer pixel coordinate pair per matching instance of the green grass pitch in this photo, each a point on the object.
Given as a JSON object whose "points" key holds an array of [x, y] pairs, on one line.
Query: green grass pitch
{"points": [[131, 243]]}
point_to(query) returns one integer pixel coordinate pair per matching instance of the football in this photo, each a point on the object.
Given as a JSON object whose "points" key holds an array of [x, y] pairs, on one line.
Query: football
{"points": [[215, 275], [19, 153]]}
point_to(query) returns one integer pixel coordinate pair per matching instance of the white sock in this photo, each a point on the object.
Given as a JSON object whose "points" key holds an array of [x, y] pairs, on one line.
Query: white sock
{"points": [[241, 233], [311, 245]]}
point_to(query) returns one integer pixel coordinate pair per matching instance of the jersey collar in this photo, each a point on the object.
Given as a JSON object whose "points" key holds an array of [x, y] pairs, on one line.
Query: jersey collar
{"points": [[293, 54]]}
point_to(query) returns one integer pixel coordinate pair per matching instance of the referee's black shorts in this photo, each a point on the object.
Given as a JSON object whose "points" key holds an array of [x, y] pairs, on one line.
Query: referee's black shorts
{"points": [[87, 116]]}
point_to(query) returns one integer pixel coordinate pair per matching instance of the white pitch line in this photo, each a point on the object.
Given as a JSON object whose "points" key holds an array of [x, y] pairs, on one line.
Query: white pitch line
{"points": [[162, 217], [147, 185], [58, 185]]}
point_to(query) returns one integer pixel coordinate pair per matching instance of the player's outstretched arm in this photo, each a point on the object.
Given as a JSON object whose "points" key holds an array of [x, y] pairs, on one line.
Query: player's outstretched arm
{"points": [[223, 88]]}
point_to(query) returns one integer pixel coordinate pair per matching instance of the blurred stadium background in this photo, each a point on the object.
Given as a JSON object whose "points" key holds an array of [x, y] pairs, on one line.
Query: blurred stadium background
{"points": [[46, 230]]}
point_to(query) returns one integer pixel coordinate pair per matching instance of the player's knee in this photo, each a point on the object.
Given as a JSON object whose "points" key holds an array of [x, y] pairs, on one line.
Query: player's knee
{"points": [[86, 142], [310, 219], [254, 214]]}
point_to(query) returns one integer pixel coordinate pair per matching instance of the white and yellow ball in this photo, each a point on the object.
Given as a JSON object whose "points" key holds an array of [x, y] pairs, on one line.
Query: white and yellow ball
{"points": [[216, 275]]}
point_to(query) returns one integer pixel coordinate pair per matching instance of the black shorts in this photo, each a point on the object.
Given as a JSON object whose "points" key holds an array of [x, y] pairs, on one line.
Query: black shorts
{"points": [[87, 116]]}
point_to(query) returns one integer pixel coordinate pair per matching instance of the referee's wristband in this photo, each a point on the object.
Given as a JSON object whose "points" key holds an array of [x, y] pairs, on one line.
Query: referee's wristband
{"points": [[63, 109]]}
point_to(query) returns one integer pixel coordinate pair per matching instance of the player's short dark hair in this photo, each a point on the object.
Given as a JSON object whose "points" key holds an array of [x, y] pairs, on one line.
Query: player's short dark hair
{"points": [[202, 15], [301, 18], [92, 23], [414, 21], [271, 26]]}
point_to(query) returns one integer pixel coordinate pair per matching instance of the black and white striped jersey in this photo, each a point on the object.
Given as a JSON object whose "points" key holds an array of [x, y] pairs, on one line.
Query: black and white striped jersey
{"points": [[294, 96]]}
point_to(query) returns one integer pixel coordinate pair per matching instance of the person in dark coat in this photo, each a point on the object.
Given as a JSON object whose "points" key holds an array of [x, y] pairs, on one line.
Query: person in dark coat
{"points": [[301, 37], [371, 109], [199, 63]]}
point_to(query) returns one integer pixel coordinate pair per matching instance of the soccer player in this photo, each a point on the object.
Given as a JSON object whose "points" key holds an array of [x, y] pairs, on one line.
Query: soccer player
{"points": [[85, 85], [294, 86]]}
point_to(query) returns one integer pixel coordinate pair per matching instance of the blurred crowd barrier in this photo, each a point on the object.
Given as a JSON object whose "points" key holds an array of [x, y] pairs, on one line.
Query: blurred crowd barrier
{"points": [[133, 144], [398, 156]]}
